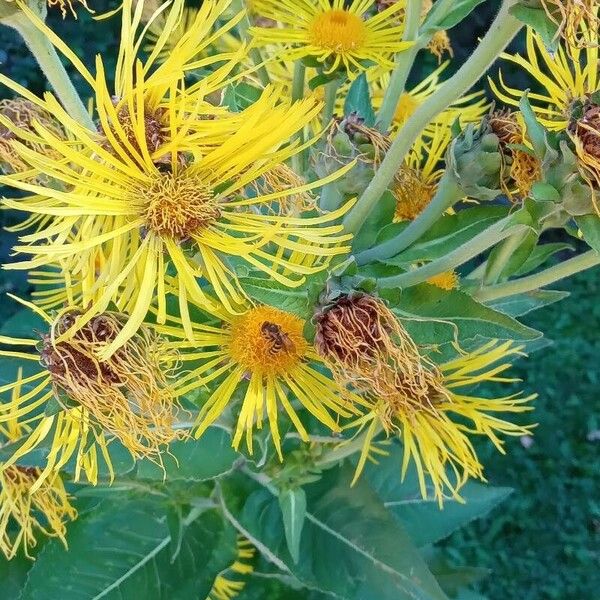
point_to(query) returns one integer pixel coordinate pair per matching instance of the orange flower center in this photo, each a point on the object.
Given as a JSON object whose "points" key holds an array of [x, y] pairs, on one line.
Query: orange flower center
{"points": [[267, 340], [337, 30]]}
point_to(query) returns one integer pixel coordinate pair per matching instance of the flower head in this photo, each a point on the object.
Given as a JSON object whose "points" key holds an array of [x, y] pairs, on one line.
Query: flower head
{"points": [[338, 34], [521, 167], [262, 357], [566, 81], [585, 133], [25, 515], [169, 183], [575, 20], [89, 402], [24, 114], [368, 348], [415, 183]]}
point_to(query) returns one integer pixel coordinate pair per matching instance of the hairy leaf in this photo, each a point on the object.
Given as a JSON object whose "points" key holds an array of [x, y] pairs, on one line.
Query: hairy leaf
{"points": [[122, 550], [363, 553], [423, 519]]}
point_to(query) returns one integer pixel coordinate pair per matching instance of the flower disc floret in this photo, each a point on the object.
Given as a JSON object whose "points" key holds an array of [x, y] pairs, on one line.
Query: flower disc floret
{"points": [[338, 31]]}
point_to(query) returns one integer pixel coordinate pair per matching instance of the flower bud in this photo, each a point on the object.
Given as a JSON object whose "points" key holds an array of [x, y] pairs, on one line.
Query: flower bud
{"points": [[475, 159]]}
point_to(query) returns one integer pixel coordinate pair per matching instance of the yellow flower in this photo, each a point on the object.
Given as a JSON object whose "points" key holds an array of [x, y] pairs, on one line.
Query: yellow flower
{"points": [[416, 182], [337, 34], [469, 108], [448, 280], [23, 114], [426, 405], [523, 168], [186, 25], [231, 582], [563, 79], [82, 403], [23, 514], [574, 18], [168, 184], [262, 357]]}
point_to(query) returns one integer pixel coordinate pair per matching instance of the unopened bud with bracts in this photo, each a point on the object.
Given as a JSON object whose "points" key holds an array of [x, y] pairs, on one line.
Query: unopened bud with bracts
{"points": [[475, 160], [350, 139]]}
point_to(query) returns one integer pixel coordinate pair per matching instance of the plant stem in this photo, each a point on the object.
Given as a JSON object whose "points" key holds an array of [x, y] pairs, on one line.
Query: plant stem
{"points": [[502, 31], [481, 242], [331, 89], [298, 162], [404, 63], [497, 263], [255, 55], [48, 60], [448, 193], [584, 261]]}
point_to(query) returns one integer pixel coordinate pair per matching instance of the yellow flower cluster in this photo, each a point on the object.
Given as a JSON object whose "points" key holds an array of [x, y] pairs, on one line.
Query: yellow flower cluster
{"points": [[194, 182]]}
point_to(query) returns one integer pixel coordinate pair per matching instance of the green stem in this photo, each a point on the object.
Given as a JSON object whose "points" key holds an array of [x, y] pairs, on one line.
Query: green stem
{"points": [[404, 63], [48, 60], [533, 282], [480, 243], [502, 31], [448, 193], [255, 55], [477, 272], [497, 262], [298, 161], [331, 89]]}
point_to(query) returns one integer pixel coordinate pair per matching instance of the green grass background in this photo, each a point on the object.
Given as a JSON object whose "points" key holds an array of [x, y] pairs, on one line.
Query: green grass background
{"points": [[544, 541]]}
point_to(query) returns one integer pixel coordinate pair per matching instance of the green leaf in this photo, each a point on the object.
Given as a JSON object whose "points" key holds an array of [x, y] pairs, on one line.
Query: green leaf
{"points": [[423, 520], [193, 460], [521, 304], [590, 227], [379, 217], [358, 100], [268, 291], [13, 574], [351, 547], [459, 316], [121, 550], [239, 96], [448, 233], [540, 255], [24, 324], [445, 15], [518, 256], [452, 578], [538, 20], [292, 503]]}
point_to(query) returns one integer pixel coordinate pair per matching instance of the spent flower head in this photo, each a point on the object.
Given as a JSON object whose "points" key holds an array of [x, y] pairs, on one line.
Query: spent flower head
{"points": [[87, 402], [368, 349]]}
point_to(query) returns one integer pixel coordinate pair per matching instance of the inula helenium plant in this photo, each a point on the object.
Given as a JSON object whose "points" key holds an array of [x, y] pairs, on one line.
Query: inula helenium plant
{"points": [[278, 251]]}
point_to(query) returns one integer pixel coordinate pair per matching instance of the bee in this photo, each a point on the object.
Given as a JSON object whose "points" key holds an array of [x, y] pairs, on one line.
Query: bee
{"points": [[279, 340]]}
